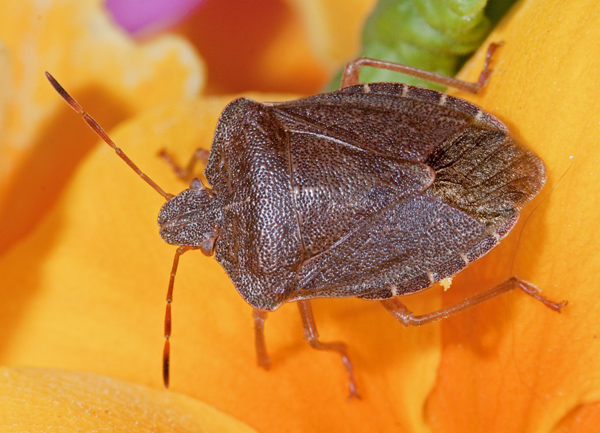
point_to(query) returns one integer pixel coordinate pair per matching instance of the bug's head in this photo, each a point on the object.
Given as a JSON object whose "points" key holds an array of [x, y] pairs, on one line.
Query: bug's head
{"points": [[191, 218]]}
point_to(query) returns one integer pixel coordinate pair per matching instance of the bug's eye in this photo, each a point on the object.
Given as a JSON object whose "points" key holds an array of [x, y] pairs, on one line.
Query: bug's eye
{"points": [[208, 246], [197, 184], [191, 218]]}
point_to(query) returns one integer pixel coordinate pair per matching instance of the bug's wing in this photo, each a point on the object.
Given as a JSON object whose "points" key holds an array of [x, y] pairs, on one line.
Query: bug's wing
{"points": [[382, 119], [357, 175], [352, 154], [401, 249], [482, 178], [336, 188]]}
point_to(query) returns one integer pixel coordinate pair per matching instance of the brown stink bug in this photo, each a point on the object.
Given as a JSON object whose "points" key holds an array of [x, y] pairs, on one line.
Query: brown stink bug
{"points": [[373, 191]]}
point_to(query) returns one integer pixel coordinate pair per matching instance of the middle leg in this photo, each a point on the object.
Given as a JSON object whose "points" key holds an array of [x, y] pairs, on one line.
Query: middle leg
{"points": [[311, 335]]}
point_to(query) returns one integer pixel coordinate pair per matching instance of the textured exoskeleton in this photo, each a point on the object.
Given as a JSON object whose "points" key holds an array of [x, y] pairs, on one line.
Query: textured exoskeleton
{"points": [[371, 191]]}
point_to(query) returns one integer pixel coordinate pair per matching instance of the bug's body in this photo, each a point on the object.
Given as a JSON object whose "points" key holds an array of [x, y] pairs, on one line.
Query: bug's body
{"points": [[371, 191]]}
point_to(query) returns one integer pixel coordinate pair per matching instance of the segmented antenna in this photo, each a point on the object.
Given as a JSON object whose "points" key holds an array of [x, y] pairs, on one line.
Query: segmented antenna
{"points": [[100, 132], [167, 348]]}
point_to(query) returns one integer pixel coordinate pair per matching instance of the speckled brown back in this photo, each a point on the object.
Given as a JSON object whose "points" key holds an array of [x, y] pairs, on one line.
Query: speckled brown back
{"points": [[370, 191]]}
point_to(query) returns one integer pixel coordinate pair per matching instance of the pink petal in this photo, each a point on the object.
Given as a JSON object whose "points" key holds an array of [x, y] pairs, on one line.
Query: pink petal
{"points": [[150, 16]]}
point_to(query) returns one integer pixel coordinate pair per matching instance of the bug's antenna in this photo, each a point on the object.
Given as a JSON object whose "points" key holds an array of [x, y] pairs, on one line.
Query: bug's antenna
{"points": [[100, 132], [167, 349]]}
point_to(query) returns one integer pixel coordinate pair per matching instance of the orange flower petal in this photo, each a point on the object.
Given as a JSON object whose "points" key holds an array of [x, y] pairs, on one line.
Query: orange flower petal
{"points": [[512, 365], [261, 46], [334, 27], [275, 45], [584, 418], [116, 78], [56, 400], [85, 289]]}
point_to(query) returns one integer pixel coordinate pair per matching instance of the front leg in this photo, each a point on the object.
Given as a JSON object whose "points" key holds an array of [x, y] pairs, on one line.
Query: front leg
{"points": [[262, 357], [199, 156]]}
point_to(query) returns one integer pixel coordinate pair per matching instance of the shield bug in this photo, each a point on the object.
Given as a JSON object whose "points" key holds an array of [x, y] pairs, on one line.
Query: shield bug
{"points": [[373, 191]]}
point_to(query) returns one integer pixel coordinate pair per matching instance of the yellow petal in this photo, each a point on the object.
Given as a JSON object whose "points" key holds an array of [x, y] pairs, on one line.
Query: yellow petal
{"points": [[86, 289], [261, 46], [51, 400], [334, 27], [116, 77], [513, 365]]}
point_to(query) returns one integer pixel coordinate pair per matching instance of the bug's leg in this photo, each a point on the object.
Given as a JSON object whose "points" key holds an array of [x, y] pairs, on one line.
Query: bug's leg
{"points": [[352, 72], [402, 314], [199, 156], [167, 348], [262, 358], [312, 337]]}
